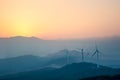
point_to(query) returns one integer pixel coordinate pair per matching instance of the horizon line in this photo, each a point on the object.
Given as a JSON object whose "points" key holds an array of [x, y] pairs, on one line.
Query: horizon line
{"points": [[58, 38]]}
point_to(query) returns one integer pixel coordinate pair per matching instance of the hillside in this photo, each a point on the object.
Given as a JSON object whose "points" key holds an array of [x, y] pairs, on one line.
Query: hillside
{"points": [[30, 62], [115, 77], [20, 64], [73, 71]]}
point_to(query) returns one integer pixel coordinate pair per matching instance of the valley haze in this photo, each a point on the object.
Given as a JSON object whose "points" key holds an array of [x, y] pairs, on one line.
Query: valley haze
{"points": [[20, 46]]}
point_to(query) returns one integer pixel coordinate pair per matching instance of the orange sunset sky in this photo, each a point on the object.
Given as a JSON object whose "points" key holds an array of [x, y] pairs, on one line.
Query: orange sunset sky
{"points": [[60, 19]]}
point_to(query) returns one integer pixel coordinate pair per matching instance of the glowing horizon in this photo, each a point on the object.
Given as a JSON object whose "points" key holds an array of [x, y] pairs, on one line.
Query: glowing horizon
{"points": [[60, 19]]}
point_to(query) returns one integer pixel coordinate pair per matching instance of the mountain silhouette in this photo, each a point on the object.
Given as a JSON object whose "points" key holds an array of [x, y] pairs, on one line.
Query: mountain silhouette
{"points": [[115, 77], [19, 46], [73, 71], [20, 64], [31, 62]]}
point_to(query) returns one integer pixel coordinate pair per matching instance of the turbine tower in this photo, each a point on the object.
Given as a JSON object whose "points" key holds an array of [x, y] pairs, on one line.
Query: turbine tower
{"points": [[82, 52], [97, 53], [67, 56]]}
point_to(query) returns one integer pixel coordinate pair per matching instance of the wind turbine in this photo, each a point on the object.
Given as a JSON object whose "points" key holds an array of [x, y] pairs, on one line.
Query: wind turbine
{"points": [[67, 56], [82, 52], [97, 53]]}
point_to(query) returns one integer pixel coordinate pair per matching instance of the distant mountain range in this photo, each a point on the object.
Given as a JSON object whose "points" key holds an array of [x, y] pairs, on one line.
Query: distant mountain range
{"points": [[73, 71], [30, 62], [21, 57], [20, 64], [19, 45]]}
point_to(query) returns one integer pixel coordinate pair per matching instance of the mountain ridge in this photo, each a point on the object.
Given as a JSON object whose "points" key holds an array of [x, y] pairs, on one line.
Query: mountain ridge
{"points": [[69, 72]]}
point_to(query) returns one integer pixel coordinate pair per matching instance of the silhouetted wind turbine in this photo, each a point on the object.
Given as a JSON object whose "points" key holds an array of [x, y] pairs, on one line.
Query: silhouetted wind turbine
{"points": [[67, 56], [82, 52], [97, 53]]}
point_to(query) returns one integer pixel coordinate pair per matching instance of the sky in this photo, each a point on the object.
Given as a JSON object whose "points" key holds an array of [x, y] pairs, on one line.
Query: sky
{"points": [[60, 19]]}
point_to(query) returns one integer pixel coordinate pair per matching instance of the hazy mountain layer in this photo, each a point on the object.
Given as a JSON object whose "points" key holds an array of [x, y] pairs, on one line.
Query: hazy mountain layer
{"points": [[73, 71]]}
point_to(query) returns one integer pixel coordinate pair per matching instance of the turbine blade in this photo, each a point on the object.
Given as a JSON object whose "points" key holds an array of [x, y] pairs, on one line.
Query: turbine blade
{"points": [[94, 53]]}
